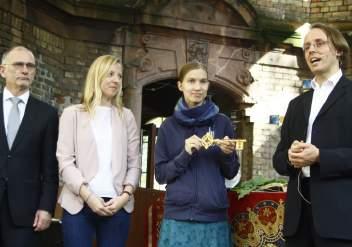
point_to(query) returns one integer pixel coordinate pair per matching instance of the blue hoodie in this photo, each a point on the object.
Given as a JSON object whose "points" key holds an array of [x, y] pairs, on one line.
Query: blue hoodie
{"points": [[195, 188]]}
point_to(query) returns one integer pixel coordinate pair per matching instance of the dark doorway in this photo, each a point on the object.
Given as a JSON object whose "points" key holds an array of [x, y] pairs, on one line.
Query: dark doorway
{"points": [[159, 99]]}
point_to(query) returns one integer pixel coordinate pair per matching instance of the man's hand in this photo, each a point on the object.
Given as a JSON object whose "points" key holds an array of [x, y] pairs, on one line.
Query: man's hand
{"points": [[303, 154], [42, 220]]}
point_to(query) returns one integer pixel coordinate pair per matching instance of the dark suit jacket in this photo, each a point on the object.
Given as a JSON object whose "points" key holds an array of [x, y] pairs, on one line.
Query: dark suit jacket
{"points": [[30, 168], [331, 178]]}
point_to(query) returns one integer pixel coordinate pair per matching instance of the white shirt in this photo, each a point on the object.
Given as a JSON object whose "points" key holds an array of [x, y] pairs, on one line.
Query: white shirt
{"points": [[7, 105], [102, 183], [320, 95], [230, 183]]}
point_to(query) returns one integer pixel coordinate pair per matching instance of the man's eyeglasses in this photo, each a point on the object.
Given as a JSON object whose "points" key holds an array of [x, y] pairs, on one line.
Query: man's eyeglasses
{"points": [[21, 65], [316, 45]]}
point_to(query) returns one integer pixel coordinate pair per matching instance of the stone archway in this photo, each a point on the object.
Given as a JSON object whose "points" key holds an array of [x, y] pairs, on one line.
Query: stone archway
{"points": [[162, 57], [156, 50]]}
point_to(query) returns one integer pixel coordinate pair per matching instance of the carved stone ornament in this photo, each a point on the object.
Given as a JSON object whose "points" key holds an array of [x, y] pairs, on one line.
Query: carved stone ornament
{"points": [[246, 54], [244, 77], [142, 61], [146, 64], [197, 51], [147, 38]]}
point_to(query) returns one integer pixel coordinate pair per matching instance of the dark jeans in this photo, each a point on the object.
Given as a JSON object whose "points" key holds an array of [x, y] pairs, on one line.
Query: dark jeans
{"points": [[80, 229]]}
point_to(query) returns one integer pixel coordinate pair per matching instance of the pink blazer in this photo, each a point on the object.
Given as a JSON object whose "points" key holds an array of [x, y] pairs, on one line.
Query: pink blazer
{"points": [[78, 157]]}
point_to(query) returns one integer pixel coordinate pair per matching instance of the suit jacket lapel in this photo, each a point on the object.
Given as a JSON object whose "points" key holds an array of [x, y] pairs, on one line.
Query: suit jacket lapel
{"points": [[25, 123], [336, 93], [307, 104], [3, 137]]}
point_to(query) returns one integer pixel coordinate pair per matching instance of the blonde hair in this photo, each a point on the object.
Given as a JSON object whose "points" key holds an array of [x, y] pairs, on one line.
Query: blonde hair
{"points": [[97, 72]]}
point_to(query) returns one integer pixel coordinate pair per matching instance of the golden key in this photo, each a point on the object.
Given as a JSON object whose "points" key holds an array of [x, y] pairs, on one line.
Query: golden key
{"points": [[208, 140]]}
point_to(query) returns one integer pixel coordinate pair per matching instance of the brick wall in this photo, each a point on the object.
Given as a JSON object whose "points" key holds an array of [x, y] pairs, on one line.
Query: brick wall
{"points": [[62, 63], [297, 10], [277, 79], [304, 11], [331, 11]]}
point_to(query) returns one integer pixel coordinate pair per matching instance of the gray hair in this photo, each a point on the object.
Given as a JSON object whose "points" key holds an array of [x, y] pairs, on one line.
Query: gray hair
{"points": [[6, 53]]}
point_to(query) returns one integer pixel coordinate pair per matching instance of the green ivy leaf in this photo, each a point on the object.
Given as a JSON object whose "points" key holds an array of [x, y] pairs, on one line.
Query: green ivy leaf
{"points": [[246, 187]]}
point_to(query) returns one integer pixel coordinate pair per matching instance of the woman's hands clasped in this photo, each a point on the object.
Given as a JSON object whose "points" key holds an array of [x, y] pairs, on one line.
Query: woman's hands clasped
{"points": [[115, 204], [99, 206], [109, 208]]}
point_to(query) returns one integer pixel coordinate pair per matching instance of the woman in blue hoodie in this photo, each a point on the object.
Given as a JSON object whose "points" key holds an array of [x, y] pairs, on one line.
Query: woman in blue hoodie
{"points": [[195, 212]]}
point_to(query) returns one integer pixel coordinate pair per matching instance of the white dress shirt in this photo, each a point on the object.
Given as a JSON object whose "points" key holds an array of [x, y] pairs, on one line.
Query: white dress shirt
{"points": [[320, 95], [7, 105]]}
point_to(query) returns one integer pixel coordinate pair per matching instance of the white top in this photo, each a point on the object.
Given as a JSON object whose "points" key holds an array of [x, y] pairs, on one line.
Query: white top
{"points": [[320, 95], [7, 105], [230, 183], [102, 183]]}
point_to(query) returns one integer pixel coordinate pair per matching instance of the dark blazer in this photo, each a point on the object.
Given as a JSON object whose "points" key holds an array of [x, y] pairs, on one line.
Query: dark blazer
{"points": [[30, 168], [331, 178]]}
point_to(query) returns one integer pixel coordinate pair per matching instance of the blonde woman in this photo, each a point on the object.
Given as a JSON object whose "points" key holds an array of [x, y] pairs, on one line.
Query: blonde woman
{"points": [[98, 154]]}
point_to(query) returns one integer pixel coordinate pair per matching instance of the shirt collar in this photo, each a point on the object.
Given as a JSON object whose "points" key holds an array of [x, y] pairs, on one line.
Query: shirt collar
{"points": [[24, 97], [332, 81]]}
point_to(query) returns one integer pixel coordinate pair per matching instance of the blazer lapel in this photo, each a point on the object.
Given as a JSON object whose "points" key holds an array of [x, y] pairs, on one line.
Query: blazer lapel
{"points": [[336, 93], [119, 141], [84, 128], [3, 136], [25, 123], [307, 103], [116, 146], [85, 140]]}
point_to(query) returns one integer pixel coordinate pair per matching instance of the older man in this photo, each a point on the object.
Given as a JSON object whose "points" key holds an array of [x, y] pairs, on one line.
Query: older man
{"points": [[28, 166]]}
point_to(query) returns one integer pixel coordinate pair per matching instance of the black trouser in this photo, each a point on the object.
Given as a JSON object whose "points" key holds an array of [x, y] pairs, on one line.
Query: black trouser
{"points": [[306, 235], [10, 234]]}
